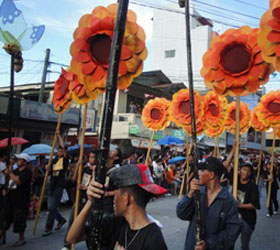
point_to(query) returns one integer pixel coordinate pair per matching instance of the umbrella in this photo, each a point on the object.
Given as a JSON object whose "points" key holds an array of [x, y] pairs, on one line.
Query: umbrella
{"points": [[76, 148], [15, 141], [168, 140], [176, 159], [38, 149]]}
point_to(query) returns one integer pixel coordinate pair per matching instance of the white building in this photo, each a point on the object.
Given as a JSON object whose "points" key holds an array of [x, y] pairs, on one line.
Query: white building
{"points": [[168, 52]]}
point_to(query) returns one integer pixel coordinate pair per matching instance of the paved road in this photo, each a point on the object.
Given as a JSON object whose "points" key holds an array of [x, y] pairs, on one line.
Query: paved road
{"points": [[265, 237]]}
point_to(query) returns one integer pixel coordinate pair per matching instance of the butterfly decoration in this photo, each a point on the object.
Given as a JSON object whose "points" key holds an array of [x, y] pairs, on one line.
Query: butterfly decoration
{"points": [[14, 32]]}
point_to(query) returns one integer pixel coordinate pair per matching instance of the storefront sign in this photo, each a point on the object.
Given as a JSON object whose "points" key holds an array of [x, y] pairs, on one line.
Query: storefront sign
{"points": [[134, 129], [4, 104], [45, 112], [144, 144], [178, 133]]}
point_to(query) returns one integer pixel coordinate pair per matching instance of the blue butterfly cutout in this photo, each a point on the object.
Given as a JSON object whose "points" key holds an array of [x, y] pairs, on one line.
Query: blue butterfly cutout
{"points": [[13, 28]]}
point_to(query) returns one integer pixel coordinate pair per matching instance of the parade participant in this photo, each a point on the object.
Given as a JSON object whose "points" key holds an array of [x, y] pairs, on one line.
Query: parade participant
{"points": [[247, 203], [3, 159], [172, 180], [219, 216], [18, 197], [57, 184], [274, 189], [87, 173], [130, 228]]}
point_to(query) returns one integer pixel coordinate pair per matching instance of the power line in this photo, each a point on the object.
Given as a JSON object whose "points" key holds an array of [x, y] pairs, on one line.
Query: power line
{"points": [[182, 13], [249, 4]]}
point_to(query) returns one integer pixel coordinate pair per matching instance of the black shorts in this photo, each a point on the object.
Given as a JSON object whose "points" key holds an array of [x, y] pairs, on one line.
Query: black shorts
{"points": [[17, 217]]}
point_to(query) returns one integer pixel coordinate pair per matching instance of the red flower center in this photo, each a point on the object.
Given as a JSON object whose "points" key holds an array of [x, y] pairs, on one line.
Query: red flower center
{"points": [[235, 59], [156, 114], [100, 46], [232, 115], [214, 111], [273, 107], [185, 107]]}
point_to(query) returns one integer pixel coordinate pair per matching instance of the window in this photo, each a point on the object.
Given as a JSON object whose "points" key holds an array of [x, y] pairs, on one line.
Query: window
{"points": [[169, 53]]}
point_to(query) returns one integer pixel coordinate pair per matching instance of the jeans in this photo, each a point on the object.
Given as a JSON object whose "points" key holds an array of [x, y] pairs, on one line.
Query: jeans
{"points": [[273, 199], [246, 233], [54, 198]]}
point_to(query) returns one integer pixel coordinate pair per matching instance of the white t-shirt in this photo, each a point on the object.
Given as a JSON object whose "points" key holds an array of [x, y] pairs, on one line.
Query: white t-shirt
{"points": [[2, 175]]}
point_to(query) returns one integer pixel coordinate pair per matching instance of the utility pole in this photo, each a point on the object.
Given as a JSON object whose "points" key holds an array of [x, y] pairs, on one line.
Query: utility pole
{"points": [[44, 76]]}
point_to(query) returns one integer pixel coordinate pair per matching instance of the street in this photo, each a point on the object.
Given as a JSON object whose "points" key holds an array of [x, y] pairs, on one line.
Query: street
{"points": [[265, 236]]}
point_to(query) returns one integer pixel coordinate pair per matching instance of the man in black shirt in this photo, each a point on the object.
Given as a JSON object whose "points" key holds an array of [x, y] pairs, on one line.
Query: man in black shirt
{"points": [[248, 202], [130, 228], [57, 184], [18, 197]]}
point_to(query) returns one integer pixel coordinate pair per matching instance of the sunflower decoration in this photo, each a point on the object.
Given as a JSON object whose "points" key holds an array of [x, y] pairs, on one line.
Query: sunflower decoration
{"points": [[180, 111], [155, 114], [245, 118], [214, 132], [234, 65], [200, 127], [277, 132], [62, 96], [269, 35], [269, 109], [90, 50], [216, 110], [256, 123]]}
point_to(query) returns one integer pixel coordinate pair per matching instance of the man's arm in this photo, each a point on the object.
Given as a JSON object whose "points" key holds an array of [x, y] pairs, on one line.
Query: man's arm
{"points": [[186, 207], [61, 143], [12, 176]]}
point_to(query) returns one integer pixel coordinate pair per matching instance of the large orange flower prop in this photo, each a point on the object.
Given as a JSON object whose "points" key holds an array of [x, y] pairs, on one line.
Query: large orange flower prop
{"points": [[179, 108], [269, 109], [245, 118], [155, 114], [62, 97], [256, 123], [269, 36], [277, 132], [234, 65], [92, 43], [214, 132], [215, 109], [200, 126]]}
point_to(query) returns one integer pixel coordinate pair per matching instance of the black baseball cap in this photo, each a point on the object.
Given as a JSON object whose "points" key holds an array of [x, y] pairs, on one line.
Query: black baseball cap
{"points": [[213, 164], [133, 174], [247, 164]]}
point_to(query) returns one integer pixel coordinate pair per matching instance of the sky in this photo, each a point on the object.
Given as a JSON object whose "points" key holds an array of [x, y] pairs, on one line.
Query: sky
{"points": [[61, 18]]}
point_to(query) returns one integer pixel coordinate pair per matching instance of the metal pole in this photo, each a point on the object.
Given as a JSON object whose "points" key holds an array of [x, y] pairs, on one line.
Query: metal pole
{"points": [[44, 76], [194, 138], [11, 106], [107, 119]]}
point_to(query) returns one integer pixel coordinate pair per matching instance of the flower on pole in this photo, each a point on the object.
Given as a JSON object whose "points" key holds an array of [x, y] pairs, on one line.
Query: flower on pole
{"points": [[155, 114], [90, 50], [62, 97], [268, 111], [234, 65], [245, 118], [180, 111], [256, 123]]}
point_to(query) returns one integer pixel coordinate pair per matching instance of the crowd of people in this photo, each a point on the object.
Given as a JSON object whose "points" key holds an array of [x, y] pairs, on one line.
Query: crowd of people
{"points": [[130, 187]]}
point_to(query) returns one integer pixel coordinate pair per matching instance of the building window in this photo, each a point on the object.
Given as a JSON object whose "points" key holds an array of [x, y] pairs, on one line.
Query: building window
{"points": [[169, 53]]}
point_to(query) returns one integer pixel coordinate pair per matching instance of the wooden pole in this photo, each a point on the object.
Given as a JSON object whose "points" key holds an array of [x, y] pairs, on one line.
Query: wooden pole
{"points": [[185, 171], [78, 191], [218, 147], [271, 170], [236, 153], [47, 174], [81, 161], [149, 148], [188, 169], [260, 159]]}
